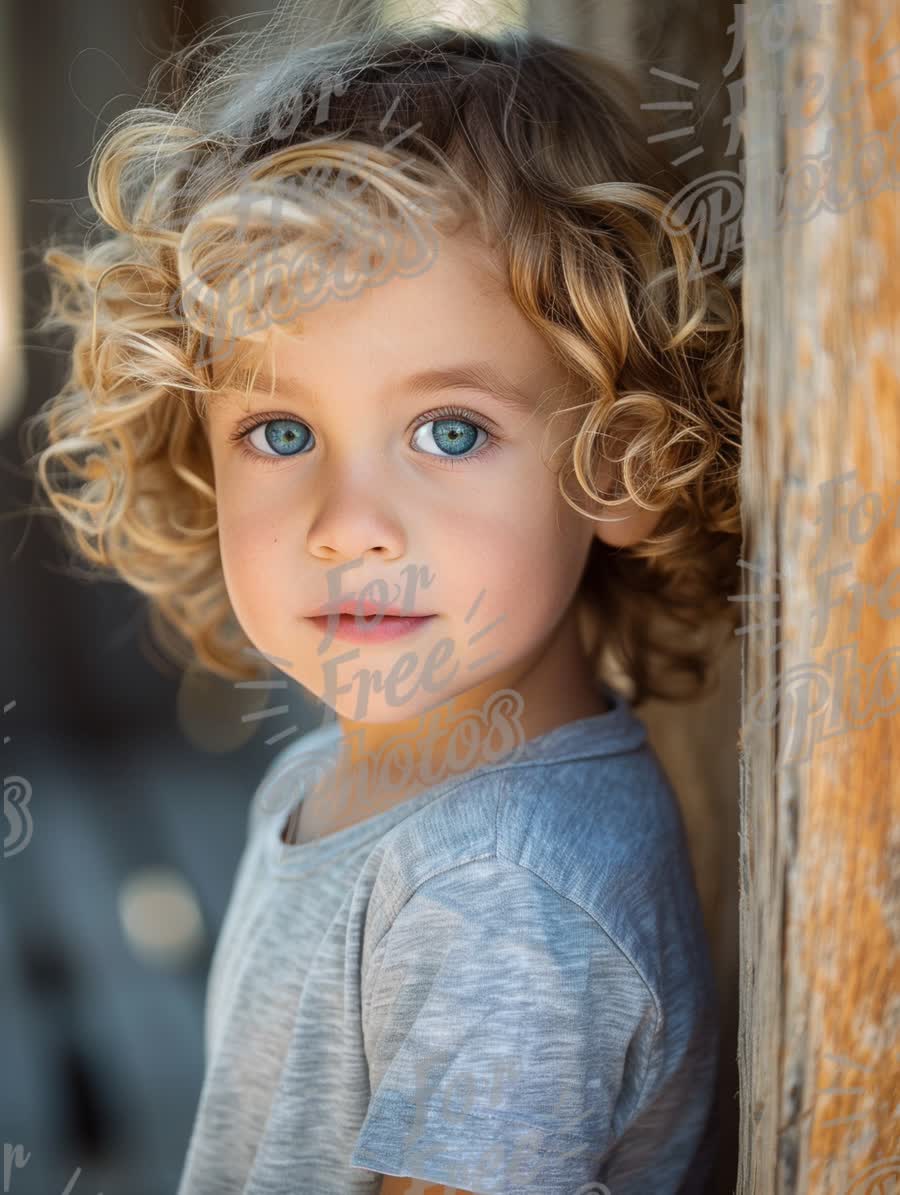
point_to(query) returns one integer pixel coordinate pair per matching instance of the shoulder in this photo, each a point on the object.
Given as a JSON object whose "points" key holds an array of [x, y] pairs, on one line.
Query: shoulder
{"points": [[590, 844], [588, 825]]}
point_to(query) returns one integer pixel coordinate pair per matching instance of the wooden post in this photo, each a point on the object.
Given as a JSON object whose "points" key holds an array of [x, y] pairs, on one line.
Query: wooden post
{"points": [[820, 793]]}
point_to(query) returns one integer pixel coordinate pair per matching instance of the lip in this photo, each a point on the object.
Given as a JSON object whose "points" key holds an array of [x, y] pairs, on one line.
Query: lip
{"points": [[365, 607], [353, 628]]}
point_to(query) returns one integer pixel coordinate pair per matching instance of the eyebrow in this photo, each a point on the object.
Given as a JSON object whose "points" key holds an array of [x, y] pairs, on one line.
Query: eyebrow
{"points": [[469, 375]]}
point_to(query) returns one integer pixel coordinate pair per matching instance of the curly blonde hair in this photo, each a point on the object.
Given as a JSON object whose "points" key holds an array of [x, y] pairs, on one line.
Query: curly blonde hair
{"points": [[536, 141]]}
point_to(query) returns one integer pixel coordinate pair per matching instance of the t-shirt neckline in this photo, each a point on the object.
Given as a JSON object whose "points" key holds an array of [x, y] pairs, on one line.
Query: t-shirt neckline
{"points": [[615, 730]]}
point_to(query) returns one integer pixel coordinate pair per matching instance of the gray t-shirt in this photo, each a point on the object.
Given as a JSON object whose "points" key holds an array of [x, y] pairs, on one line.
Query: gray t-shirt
{"points": [[502, 984]]}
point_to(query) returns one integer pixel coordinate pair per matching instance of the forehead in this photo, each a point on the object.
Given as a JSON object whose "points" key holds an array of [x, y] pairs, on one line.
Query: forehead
{"points": [[455, 324], [484, 376]]}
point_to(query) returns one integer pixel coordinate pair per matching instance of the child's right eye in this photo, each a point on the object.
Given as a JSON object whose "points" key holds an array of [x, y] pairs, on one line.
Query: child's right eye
{"points": [[287, 437]]}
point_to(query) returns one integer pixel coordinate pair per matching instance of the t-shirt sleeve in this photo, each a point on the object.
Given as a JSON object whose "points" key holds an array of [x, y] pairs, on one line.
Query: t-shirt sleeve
{"points": [[508, 1037]]}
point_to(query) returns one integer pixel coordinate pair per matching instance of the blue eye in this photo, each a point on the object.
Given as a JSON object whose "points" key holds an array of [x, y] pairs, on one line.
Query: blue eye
{"points": [[286, 437], [456, 437]]}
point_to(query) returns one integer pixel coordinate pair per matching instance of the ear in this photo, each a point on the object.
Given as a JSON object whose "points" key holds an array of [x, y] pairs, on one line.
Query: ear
{"points": [[629, 523], [633, 524]]}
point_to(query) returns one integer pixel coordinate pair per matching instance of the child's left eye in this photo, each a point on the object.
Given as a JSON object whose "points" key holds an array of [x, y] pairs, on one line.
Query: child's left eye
{"points": [[452, 431], [452, 435]]}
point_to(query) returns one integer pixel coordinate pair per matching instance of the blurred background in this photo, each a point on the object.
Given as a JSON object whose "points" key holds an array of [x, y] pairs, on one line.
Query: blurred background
{"points": [[114, 883]]}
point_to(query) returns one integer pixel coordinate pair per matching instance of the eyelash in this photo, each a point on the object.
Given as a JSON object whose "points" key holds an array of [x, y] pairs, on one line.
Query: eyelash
{"points": [[242, 432]]}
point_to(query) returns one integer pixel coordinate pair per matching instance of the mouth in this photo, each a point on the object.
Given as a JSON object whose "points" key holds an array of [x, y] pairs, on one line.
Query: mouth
{"points": [[356, 628]]}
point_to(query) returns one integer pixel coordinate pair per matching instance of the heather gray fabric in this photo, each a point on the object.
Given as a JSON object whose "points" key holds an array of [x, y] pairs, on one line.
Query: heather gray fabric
{"points": [[502, 984]]}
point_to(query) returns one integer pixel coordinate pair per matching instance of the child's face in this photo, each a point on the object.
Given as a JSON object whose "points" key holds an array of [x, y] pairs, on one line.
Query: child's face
{"points": [[352, 473]]}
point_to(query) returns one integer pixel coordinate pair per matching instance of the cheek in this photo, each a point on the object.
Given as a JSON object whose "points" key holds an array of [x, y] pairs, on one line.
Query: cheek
{"points": [[255, 550], [527, 557]]}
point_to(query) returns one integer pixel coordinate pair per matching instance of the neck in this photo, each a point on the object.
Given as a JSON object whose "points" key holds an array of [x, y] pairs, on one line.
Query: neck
{"points": [[555, 685]]}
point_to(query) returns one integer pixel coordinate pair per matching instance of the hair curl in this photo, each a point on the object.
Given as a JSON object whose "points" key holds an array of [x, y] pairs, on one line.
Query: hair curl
{"points": [[541, 145]]}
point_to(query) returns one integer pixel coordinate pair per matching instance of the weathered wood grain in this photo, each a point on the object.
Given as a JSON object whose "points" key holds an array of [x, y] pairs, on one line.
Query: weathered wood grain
{"points": [[820, 793]]}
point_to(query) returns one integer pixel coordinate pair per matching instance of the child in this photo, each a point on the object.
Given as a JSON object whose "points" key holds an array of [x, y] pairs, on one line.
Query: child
{"points": [[395, 374]]}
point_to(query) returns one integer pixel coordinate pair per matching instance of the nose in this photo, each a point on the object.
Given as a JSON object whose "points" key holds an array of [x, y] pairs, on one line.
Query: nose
{"points": [[355, 516]]}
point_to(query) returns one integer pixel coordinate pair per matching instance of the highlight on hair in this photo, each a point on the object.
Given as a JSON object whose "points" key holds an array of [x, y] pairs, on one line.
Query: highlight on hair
{"points": [[540, 146]]}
